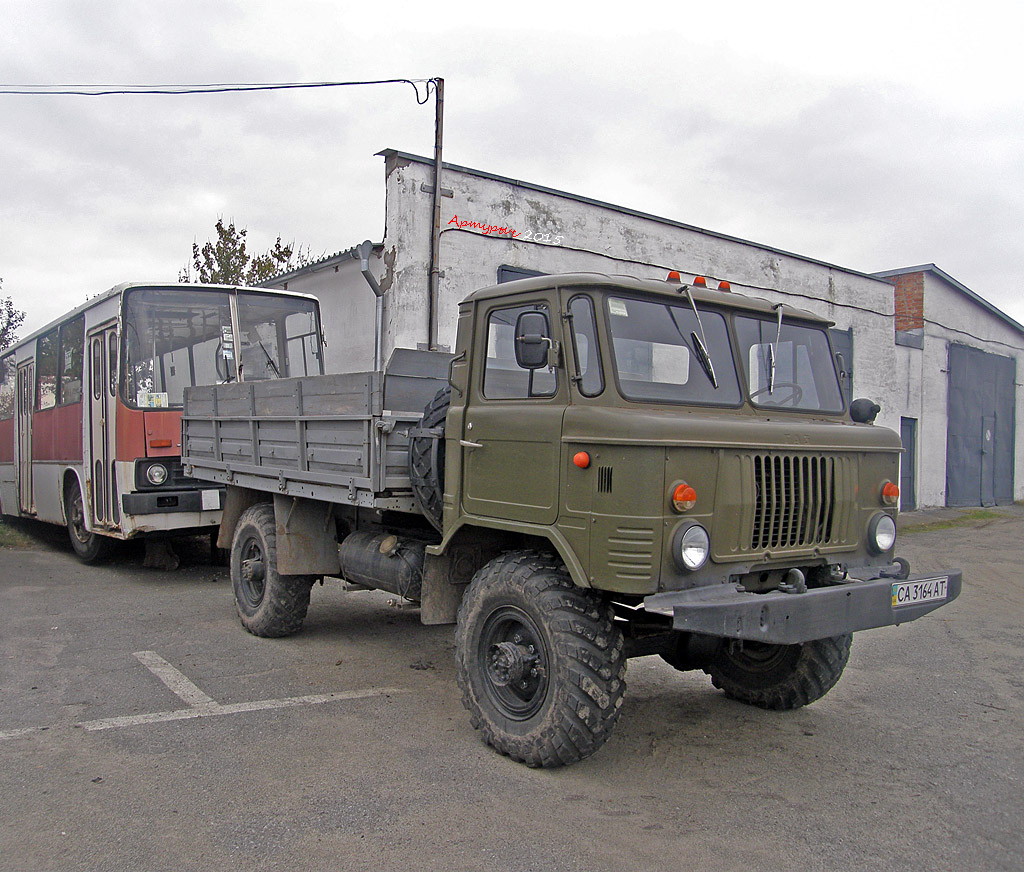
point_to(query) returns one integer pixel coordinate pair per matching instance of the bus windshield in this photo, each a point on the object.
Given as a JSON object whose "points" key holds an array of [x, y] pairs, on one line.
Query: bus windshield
{"points": [[175, 338]]}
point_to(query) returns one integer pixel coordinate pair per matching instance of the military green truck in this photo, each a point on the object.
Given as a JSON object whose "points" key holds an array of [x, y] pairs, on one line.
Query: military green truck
{"points": [[606, 467]]}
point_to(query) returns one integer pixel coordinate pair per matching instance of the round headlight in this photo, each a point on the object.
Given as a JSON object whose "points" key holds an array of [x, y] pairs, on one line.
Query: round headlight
{"points": [[692, 547], [156, 474], [881, 533]]}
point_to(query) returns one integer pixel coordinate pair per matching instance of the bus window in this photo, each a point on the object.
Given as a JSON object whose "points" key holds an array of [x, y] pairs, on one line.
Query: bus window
{"points": [[279, 336], [112, 365], [8, 376], [46, 370], [72, 342]]}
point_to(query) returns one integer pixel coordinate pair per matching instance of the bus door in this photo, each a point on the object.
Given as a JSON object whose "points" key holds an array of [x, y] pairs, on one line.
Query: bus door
{"points": [[25, 402], [102, 395]]}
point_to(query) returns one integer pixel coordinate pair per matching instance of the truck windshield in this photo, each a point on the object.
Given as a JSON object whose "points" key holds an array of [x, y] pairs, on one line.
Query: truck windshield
{"points": [[656, 352], [804, 375], [176, 338]]}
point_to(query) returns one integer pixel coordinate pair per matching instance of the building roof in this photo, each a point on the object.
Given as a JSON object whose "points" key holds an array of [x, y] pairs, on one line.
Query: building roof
{"points": [[324, 262], [963, 289], [622, 210]]}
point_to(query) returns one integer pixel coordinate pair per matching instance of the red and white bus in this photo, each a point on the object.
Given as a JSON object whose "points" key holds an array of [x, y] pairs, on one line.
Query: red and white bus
{"points": [[90, 406]]}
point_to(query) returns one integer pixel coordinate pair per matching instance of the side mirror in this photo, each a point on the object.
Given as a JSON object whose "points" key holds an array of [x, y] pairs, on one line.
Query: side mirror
{"points": [[532, 340]]}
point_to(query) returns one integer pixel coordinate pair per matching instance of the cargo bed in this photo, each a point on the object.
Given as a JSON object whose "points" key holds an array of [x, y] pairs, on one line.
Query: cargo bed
{"points": [[339, 438]]}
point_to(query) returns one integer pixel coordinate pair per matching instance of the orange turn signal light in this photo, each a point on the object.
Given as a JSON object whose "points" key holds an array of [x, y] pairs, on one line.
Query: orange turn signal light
{"points": [[684, 498], [581, 459], [890, 494], [159, 443]]}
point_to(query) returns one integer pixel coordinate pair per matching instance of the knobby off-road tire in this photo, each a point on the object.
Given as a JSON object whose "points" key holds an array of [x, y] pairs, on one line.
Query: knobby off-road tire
{"points": [[269, 604], [780, 677], [539, 661], [90, 547], [426, 459]]}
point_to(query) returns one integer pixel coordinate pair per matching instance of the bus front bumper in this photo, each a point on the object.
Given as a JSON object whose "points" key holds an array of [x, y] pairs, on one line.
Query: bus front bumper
{"points": [[159, 502], [779, 618]]}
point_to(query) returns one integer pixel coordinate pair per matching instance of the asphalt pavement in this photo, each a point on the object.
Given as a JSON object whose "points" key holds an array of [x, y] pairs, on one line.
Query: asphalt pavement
{"points": [[141, 728]]}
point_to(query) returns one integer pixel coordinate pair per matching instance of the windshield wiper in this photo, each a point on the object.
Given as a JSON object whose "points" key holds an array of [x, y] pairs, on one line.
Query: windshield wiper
{"points": [[270, 360], [700, 343], [773, 351]]}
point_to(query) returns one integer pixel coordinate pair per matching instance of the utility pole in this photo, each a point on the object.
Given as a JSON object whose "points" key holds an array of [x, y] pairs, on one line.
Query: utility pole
{"points": [[435, 235]]}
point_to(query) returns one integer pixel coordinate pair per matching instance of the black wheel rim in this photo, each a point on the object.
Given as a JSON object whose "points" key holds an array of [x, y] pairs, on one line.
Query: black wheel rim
{"points": [[760, 656], [252, 573], [77, 518], [512, 657]]}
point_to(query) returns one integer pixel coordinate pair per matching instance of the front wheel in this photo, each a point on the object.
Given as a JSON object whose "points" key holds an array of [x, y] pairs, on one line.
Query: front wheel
{"points": [[269, 604], [779, 677], [539, 661], [90, 547]]}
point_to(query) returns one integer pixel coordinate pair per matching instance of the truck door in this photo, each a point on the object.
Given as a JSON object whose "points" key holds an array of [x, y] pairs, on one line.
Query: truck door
{"points": [[511, 434]]}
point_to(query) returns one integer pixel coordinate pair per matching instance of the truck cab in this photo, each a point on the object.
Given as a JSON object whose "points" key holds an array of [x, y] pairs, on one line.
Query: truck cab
{"points": [[663, 437]]}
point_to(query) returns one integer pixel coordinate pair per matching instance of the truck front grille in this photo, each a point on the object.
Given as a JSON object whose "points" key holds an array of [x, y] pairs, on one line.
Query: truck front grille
{"points": [[794, 502]]}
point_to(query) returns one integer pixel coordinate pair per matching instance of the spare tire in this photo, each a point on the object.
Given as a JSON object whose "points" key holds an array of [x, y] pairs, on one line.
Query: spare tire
{"points": [[426, 457]]}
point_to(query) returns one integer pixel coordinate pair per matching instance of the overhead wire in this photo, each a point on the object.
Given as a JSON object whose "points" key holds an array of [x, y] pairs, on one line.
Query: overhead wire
{"points": [[100, 90]]}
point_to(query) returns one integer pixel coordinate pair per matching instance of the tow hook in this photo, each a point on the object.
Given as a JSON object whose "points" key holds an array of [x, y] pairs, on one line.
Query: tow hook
{"points": [[794, 582], [899, 570]]}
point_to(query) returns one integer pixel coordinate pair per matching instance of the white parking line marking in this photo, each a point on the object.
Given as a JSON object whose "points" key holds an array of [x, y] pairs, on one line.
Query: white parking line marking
{"points": [[13, 734], [201, 705], [215, 710], [175, 681]]}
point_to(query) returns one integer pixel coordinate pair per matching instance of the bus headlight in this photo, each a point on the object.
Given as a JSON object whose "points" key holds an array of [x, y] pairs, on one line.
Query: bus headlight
{"points": [[881, 533], [156, 474], [690, 547]]}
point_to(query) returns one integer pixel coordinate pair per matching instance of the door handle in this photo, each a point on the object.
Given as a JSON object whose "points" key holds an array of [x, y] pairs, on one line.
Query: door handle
{"points": [[466, 444]]}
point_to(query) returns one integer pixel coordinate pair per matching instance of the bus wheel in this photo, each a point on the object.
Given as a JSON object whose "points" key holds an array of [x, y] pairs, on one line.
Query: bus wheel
{"points": [[90, 547], [269, 604], [539, 660]]}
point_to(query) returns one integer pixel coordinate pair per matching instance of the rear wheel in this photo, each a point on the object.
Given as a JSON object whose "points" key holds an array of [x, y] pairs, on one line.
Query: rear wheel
{"points": [[269, 604], [779, 677], [90, 547], [539, 661]]}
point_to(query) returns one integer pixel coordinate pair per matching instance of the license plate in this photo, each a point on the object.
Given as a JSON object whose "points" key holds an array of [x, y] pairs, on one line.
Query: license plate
{"points": [[913, 593]]}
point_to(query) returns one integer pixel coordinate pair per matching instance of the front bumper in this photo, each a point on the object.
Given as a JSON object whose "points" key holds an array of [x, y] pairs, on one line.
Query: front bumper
{"points": [[789, 618], [158, 502]]}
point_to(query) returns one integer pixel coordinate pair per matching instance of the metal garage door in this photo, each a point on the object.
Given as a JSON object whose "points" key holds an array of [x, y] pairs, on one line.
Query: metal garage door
{"points": [[980, 429]]}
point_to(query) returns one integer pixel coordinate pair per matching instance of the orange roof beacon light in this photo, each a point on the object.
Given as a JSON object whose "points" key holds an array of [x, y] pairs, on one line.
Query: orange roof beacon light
{"points": [[581, 459], [674, 276], [724, 286], [684, 498], [890, 494], [700, 282]]}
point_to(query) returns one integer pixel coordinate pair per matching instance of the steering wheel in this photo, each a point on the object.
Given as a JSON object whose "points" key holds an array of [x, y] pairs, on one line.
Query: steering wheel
{"points": [[794, 398]]}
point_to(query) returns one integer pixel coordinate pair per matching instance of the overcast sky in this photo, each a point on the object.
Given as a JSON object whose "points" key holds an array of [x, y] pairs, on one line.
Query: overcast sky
{"points": [[873, 135]]}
